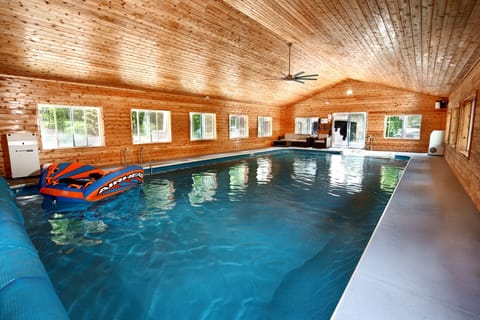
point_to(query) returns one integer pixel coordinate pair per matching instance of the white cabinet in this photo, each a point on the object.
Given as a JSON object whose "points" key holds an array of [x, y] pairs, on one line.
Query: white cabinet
{"points": [[23, 153]]}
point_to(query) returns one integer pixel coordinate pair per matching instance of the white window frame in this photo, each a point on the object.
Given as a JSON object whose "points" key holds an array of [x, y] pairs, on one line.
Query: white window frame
{"points": [[237, 130], [404, 133], [163, 135], [261, 123], [208, 126], [309, 125], [55, 139]]}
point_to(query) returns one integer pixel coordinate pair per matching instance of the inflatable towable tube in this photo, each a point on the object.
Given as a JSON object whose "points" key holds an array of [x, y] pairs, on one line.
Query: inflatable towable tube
{"points": [[78, 182]]}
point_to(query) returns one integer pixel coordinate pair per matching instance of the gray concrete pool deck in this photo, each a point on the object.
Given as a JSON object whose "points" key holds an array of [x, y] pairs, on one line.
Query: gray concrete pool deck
{"points": [[423, 260]]}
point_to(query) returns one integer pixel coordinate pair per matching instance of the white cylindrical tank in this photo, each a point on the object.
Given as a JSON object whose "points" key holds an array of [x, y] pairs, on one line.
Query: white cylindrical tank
{"points": [[436, 146]]}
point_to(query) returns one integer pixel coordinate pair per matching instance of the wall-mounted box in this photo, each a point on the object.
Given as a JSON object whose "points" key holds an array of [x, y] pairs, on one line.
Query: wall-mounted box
{"points": [[23, 154]]}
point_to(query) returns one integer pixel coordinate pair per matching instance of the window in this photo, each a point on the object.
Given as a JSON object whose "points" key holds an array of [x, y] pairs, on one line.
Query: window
{"points": [[452, 136], [306, 125], [264, 126], [149, 126], [238, 126], [70, 126], [202, 126], [403, 126], [465, 126]]}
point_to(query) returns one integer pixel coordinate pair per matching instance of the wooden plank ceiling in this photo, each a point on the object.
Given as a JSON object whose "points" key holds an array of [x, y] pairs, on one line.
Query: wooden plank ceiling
{"points": [[231, 49]]}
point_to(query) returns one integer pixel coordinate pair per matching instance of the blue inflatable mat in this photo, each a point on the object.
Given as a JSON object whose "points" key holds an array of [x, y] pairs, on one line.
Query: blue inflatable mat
{"points": [[26, 292]]}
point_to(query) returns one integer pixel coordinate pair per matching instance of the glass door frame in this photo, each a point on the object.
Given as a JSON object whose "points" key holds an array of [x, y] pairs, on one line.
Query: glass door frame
{"points": [[360, 143]]}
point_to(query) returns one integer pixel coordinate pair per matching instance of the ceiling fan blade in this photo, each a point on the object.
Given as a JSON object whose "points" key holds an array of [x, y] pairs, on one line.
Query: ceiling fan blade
{"points": [[308, 76], [303, 79], [297, 80], [297, 74]]}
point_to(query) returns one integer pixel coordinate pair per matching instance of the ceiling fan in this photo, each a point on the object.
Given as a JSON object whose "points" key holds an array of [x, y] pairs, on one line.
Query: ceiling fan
{"points": [[298, 77]]}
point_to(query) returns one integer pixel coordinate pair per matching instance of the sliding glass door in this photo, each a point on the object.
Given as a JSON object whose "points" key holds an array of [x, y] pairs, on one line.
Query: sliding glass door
{"points": [[349, 130]]}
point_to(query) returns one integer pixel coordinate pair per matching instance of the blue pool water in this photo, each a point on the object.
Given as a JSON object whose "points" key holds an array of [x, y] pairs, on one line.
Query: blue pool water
{"points": [[270, 237]]}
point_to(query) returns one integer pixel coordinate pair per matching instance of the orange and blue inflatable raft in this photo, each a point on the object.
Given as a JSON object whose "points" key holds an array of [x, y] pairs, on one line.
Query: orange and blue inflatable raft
{"points": [[78, 182]]}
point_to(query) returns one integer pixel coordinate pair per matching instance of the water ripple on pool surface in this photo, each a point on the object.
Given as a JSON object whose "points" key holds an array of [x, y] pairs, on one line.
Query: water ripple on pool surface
{"points": [[274, 237]]}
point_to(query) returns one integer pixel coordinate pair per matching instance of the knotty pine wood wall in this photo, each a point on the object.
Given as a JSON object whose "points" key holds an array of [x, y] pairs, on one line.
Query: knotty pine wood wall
{"points": [[18, 113], [466, 169], [378, 101]]}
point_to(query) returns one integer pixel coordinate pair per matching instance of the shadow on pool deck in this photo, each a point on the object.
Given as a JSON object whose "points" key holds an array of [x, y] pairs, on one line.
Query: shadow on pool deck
{"points": [[423, 261]]}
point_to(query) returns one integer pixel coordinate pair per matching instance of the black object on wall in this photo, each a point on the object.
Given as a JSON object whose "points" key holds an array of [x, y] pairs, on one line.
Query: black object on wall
{"points": [[441, 104]]}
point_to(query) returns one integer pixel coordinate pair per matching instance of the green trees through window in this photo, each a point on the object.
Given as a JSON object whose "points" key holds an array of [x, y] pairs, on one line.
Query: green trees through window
{"points": [[150, 126], [264, 126], [203, 126], [306, 125], [70, 126], [403, 126], [238, 126]]}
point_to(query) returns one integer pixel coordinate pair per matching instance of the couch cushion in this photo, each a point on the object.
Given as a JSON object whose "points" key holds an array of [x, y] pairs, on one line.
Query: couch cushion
{"points": [[296, 136]]}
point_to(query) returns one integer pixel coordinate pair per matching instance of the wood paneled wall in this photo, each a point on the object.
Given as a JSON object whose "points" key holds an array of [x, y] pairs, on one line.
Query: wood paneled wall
{"points": [[466, 169], [378, 101], [18, 113]]}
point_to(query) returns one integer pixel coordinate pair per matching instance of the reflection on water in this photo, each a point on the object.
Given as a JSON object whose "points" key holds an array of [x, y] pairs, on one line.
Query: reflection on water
{"points": [[164, 191], [76, 232], [389, 177], [346, 171], [336, 171], [204, 187], [81, 224], [264, 170], [238, 180], [304, 170]]}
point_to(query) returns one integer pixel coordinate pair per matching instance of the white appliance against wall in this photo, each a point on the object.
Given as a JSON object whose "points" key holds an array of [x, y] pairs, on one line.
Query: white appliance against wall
{"points": [[23, 153], [436, 146]]}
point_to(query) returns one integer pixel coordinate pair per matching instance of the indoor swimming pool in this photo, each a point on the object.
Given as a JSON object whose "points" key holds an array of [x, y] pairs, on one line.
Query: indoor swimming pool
{"points": [[268, 236]]}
